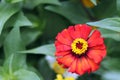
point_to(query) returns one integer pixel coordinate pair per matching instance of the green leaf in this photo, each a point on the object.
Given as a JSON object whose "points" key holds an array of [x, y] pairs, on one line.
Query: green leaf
{"points": [[46, 71], [12, 44], [113, 47], [14, 1], [105, 9], [48, 49], [33, 3], [118, 6], [29, 35], [72, 11], [25, 75], [94, 2], [110, 34], [22, 20], [59, 22], [18, 19], [37, 22], [111, 64], [108, 23], [111, 75], [6, 11]]}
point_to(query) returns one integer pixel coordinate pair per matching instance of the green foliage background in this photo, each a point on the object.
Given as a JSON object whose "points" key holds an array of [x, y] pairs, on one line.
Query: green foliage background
{"points": [[28, 29]]}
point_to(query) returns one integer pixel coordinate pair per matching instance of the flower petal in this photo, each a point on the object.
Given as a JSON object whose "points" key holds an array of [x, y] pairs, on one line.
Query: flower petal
{"points": [[79, 68], [96, 55], [95, 39], [66, 35], [84, 31], [98, 47], [94, 35], [80, 31], [66, 60], [62, 53], [93, 65], [62, 47], [73, 68], [63, 40], [85, 64], [95, 42]]}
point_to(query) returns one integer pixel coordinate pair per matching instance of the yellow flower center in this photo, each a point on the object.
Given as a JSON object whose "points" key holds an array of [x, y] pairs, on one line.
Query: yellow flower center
{"points": [[79, 46]]}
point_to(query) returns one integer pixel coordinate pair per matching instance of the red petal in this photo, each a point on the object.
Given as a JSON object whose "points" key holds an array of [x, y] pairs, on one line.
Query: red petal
{"points": [[78, 27], [66, 60], [79, 67], [85, 64], [73, 68], [99, 47], [93, 55], [71, 30], [96, 55], [95, 42], [94, 35], [95, 39], [63, 40], [80, 31], [93, 65], [62, 53], [66, 35], [61, 47], [85, 31]]}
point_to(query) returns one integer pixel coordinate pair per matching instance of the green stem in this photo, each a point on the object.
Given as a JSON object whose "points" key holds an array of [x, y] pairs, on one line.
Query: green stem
{"points": [[10, 64]]}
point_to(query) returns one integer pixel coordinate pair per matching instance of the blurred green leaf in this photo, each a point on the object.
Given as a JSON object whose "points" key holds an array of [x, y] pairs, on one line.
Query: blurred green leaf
{"points": [[52, 27], [105, 9], [33, 3], [113, 48], [94, 2], [110, 34], [26, 75], [2, 36], [108, 23], [18, 19], [33, 69], [72, 11], [6, 11], [14, 1], [12, 44], [111, 64], [111, 75], [22, 20], [37, 22], [29, 35], [118, 6], [45, 70], [48, 49]]}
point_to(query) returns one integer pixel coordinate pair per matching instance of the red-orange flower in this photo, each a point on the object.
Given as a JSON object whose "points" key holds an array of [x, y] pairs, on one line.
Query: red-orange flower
{"points": [[80, 49]]}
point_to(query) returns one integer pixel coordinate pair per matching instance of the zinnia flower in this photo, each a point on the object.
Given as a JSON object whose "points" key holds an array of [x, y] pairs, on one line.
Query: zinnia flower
{"points": [[80, 49]]}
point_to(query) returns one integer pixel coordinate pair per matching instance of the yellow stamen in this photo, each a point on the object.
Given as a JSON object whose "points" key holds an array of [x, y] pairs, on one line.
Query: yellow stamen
{"points": [[83, 46]]}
